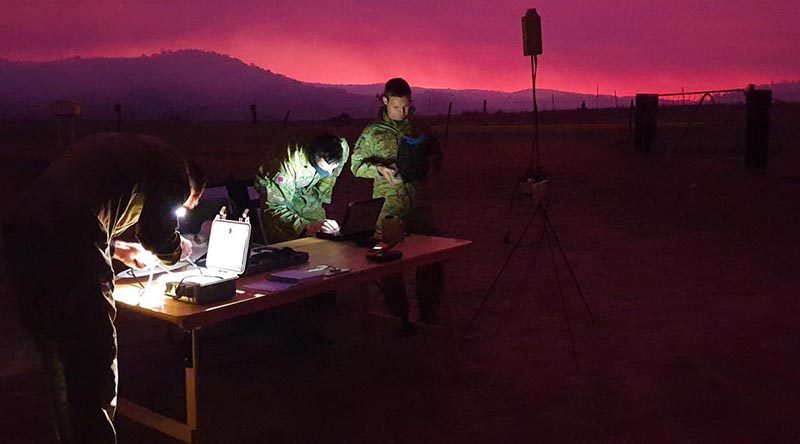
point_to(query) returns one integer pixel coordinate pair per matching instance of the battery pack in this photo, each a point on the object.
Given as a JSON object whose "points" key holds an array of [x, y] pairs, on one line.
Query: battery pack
{"points": [[202, 289]]}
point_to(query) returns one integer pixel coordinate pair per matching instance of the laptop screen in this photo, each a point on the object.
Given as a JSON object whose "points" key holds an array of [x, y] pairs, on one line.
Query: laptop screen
{"points": [[361, 216]]}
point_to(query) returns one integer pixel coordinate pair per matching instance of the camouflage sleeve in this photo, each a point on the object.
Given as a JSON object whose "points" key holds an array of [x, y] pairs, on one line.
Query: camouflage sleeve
{"points": [[363, 164], [277, 193], [325, 189]]}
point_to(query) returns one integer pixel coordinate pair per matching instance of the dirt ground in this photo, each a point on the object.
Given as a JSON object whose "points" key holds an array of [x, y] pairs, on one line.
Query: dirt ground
{"points": [[687, 259]]}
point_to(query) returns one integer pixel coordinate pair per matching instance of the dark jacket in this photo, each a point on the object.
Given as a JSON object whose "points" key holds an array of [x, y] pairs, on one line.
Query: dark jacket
{"points": [[105, 184]]}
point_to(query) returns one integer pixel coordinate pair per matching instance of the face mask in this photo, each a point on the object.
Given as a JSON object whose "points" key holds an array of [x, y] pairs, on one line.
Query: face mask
{"points": [[320, 171]]}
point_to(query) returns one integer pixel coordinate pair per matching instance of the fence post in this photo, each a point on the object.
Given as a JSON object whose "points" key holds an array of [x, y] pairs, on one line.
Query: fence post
{"points": [[630, 121], [757, 143], [286, 119], [66, 113], [118, 111], [254, 113], [646, 122], [447, 126]]}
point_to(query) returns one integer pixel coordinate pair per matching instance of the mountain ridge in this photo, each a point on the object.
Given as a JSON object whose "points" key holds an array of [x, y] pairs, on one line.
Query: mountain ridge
{"points": [[204, 85]]}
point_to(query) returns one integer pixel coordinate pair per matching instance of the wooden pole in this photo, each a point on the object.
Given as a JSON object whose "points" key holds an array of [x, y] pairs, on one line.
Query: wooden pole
{"points": [[447, 126], [286, 119], [757, 134], [646, 121], [254, 113], [66, 113], [118, 111], [630, 121]]}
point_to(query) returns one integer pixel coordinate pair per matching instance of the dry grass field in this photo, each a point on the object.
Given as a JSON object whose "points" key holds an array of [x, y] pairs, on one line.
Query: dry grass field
{"points": [[687, 259]]}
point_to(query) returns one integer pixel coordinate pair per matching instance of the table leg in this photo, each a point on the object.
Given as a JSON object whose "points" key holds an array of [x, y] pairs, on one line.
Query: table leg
{"points": [[365, 317], [191, 372], [186, 432]]}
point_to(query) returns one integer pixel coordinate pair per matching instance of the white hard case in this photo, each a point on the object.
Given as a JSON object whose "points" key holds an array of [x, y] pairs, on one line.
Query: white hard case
{"points": [[226, 259]]}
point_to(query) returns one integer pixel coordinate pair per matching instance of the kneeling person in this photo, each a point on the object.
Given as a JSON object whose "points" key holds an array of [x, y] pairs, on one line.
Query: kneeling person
{"points": [[295, 183]]}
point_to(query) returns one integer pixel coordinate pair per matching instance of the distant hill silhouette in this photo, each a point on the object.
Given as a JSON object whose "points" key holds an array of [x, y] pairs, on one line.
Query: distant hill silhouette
{"points": [[200, 85], [187, 84], [471, 100], [785, 91]]}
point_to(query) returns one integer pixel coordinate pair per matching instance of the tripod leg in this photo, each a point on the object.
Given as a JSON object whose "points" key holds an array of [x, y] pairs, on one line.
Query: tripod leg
{"points": [[563, 301], [534, 251], [499, 274], [550, 229]]}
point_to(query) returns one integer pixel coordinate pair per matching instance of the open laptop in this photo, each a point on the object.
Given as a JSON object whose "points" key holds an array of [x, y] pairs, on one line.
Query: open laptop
{"points": [[359, 221]]}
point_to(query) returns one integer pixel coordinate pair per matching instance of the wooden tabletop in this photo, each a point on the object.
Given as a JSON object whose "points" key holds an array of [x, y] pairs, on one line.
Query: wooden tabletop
{"points": [[417, 250]]}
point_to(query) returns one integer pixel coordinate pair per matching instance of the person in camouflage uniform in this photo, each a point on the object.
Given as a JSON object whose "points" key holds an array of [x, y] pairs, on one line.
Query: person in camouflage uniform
{"points": [[294, 186], [376, 157]]}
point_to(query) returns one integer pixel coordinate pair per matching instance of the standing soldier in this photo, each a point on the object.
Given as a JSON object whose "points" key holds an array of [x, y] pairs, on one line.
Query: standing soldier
{"points": [[295, 183], [397, 154], [58, 249]]}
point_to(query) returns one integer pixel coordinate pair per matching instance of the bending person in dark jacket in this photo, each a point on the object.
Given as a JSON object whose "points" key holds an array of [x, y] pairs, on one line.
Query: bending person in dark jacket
{"points": [[59, 245]]}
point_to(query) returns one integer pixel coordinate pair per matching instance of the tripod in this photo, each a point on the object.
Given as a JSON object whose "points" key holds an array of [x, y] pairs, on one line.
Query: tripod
{"points": [[539, 191]]}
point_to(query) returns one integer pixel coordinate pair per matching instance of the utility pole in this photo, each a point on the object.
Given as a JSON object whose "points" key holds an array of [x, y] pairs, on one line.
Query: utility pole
{"points": [[597, 98]]}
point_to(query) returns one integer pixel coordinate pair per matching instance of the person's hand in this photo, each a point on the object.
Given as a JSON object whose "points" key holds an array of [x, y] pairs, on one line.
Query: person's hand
{"points": [[186, 248], [329, 226], [134, 255], [388, 173]]}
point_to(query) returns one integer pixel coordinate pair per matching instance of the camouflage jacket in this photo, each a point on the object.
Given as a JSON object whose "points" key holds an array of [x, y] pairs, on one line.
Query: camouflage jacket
{"points": [[378, 145], [292, 192]]}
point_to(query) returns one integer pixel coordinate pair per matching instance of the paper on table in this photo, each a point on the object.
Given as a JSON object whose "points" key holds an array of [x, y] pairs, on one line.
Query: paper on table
{"points": [[269, 286], [198, 251], [305, 275]]}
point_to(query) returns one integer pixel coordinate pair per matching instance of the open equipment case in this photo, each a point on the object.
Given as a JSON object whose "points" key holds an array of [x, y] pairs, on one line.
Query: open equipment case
{"points": [[226, 260]]}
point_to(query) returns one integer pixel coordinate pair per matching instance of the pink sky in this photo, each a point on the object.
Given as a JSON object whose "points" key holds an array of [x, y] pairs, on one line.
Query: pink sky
{"points": [[625, 45]]}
